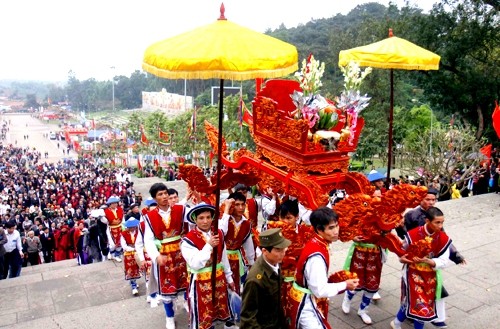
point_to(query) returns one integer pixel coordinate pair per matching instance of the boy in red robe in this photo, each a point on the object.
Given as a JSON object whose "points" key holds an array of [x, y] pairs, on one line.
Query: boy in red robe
{"points": [[428, 252], [127, 242], [237, 231], [307, 306], [114, 215], [197, 248]]}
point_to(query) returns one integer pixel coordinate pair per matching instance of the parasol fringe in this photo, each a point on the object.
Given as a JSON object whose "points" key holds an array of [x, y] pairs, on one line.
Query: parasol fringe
{"points": [[247, 75], [401, 66]]}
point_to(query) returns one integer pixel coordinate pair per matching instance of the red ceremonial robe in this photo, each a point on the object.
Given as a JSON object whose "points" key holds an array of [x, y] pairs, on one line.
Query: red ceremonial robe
{"points": [[289, 263], [206, 311], [115, 223], [147, 259], [419, 288], [130, 265], [252, 214], [234, 240], [62, 245], [172, 278], [297, 294]]}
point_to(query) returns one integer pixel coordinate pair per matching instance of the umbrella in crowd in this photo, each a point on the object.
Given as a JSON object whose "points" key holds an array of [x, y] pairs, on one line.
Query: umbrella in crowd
{"points": [[221, 50], [391, 53]]}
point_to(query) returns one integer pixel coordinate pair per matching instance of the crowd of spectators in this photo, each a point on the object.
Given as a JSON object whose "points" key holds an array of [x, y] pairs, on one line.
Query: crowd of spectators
{"points": [[50, 206], [481, 180]]}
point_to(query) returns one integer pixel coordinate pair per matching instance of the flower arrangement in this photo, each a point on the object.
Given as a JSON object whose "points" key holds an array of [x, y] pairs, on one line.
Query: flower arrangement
{"points": [[329, 121]]}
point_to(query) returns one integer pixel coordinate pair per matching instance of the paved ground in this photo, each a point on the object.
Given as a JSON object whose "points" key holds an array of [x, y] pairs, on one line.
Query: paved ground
{"points": [[25, 124], [63, 295]]}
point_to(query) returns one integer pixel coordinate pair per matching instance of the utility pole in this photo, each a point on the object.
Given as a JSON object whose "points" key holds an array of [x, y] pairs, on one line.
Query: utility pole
{"points": [[113, 87]]}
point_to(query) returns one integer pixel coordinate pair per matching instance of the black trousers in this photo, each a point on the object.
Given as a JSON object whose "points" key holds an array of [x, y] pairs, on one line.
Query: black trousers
{"points": [[12, 264], [33, 258], [47, 255]]}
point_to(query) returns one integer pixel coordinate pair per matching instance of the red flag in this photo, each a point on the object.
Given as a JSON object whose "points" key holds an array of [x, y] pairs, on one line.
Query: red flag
{"points": [[144, 139], [156, 163], [164, 137], [247, 116], [486, 150], [139, 166], [93, 124], [496, 119]]}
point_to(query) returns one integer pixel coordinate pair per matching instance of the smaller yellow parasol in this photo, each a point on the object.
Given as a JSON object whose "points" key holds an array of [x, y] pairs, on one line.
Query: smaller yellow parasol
{"points": [[391, 53]]}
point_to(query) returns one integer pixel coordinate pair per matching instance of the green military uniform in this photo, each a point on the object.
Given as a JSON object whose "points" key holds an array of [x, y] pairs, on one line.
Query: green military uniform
{"points": [[261, 301]]}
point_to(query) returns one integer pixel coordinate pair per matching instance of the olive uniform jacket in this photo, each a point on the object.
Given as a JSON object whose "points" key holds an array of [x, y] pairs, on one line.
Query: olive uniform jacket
{"points": [[261, 298]]}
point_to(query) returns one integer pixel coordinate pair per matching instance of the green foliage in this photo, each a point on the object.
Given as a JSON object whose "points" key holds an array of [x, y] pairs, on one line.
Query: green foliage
{"points": [[31, 101], [466, 34], [184, 142]]}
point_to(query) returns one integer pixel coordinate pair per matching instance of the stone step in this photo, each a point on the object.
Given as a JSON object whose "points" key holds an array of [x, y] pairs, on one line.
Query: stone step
{"points": [[65, 295], [55, 270]]}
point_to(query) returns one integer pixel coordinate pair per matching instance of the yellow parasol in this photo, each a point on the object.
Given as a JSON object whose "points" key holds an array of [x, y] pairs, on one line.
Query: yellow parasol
{"points": [[221, 50], [391, 53]]}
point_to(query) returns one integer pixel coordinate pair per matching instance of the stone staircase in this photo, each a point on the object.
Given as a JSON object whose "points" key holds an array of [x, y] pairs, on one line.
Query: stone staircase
{"points": [[65, 295]]}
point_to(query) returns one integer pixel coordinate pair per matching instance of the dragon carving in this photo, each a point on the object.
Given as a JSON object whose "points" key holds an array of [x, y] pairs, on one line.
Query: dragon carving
{"points": [[373, 218]]}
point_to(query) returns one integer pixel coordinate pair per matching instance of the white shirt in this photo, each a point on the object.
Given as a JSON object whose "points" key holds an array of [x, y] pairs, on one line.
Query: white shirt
{"points": [[139, 242], [197, 259], [149, 238], [315, 274], [124, 244], [247, 244], [13, 241], [275, 268]]}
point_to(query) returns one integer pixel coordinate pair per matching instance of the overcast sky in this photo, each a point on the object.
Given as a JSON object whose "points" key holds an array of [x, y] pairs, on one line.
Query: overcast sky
{"points": [[45, 39]]}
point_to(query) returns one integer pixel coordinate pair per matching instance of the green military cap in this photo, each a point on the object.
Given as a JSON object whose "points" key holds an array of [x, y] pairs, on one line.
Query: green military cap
{"points": [[273, 238]]}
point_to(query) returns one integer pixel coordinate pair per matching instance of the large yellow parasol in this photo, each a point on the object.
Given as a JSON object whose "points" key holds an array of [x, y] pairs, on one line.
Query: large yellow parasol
{"points": [[391, 53], [221, 50]]}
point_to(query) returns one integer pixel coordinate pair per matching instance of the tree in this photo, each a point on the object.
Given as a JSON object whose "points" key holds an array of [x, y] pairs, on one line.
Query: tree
{"points": [[31, 102], [453, 147], [466, 34]]}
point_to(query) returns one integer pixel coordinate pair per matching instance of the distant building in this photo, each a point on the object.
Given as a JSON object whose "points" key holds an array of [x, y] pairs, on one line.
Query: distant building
{"points": [[170, 104]]}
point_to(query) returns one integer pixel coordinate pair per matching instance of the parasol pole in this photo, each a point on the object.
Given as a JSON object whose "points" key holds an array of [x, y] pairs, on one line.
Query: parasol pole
{"points": [[217, 187], [391, 118]]}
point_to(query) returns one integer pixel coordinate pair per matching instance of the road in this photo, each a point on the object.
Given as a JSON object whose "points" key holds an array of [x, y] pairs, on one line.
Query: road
{"points": [[25, 125]]}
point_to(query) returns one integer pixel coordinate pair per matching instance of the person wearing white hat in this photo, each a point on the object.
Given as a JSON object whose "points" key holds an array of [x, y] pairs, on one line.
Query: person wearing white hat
{"points": [[127, 241], [114, 215], [197, 248]]}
